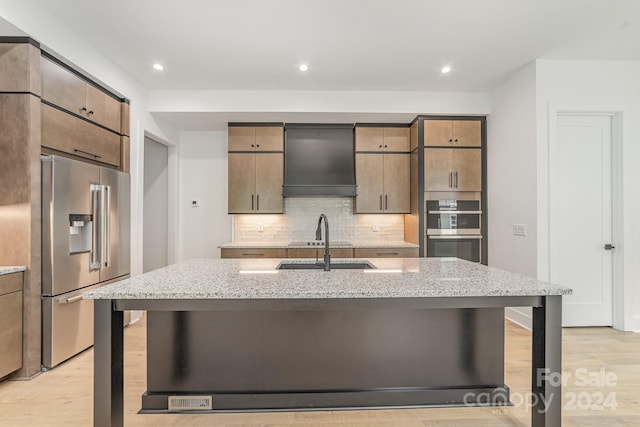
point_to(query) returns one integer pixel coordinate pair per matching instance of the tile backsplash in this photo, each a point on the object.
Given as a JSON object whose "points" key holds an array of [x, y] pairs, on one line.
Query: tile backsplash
{"points": [[300, 219]]}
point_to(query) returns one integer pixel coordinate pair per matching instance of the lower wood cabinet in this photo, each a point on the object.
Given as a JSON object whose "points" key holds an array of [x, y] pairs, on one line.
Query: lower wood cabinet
{"points": [[64, 132], [318, 252], [386, 253], [253, 253], [10, 323]]}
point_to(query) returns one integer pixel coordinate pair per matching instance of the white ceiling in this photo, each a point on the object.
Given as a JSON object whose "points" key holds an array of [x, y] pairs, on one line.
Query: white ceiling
{"points": [[348, 44], [376, 45]]}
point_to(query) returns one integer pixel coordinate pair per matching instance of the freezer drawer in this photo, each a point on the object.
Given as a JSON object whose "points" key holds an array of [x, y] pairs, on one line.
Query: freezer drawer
{"points": [[67, 327]]}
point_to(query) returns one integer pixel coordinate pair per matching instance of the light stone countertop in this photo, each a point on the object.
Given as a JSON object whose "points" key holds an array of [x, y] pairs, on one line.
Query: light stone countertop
{"points": [[11, 269], [245, 279], [337, 244]]}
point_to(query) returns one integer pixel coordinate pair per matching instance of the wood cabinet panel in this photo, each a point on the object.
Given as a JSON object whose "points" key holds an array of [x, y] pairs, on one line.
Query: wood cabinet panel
{"points": [[448, 169], [125, 118], [369, 139], [437, 133], [438, 168], [413, 139], [370, 181], [468, 170], [318, 252], [396, 139], [62, 88], [269, 178], [459, 133], [269, 138], [396, 172], [256, 138], [382, 139], [11, 301], [386, 253], [69, 134], [242, 138], [253, 253], [241, 182], [467, 133], [19, 68], [103, 109]]}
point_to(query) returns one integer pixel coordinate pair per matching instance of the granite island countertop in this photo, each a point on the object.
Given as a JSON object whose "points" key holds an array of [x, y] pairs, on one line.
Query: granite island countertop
{"points": [[11, 269], [243, 279]]}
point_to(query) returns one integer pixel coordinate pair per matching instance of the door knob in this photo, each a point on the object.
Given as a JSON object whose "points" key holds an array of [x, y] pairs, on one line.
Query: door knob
{"points": [[609, 246]]}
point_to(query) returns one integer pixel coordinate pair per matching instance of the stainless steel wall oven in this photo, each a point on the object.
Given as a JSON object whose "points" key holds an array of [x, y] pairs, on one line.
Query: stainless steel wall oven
{"points": [[454, 229]]}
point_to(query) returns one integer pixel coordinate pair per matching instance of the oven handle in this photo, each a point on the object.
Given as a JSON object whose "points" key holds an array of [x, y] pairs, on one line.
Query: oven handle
{"points": [[455, 212], [457, 237]]}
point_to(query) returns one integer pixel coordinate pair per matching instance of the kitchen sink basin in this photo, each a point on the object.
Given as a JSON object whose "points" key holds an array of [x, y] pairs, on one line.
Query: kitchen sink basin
{"points": [[362, 265]]}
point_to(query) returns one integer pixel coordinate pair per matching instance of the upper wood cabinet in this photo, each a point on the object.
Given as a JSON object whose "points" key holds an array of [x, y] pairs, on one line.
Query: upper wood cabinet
{"points": [[447, 169], [66, 133], [382, 139], [66, 90], [256, 169], [459, 133], [256, 138], [383, 183]]}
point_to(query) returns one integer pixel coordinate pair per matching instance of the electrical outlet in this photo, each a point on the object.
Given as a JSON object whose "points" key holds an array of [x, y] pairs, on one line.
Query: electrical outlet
{"points": [[519, 229], [376, 228], [195, 203], [260, 228]]}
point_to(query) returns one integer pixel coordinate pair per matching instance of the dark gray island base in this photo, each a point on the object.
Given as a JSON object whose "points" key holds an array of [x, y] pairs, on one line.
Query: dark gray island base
{"points": [[426, 333], [325, 357]]}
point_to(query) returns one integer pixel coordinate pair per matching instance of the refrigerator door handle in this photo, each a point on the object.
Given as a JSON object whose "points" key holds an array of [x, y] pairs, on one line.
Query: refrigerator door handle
{"points": [[96, 245], [106, 228]]}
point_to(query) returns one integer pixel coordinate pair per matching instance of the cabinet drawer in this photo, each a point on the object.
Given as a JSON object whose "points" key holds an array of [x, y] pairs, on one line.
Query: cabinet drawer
{"points": [[319, 252], [10, 332], [386, 252], [253, 253], [64, 132], [10, 283]]}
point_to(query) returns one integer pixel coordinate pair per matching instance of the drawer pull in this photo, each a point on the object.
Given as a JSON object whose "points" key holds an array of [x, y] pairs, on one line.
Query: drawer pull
{"points": [[85, 154], [68, 300], [387, 253], [252, 254]]}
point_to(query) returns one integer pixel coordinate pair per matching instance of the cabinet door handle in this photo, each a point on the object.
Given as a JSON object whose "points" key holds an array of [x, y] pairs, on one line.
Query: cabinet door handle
{"points": [[90, 113], [85, 154], [258, 202], [83, 109], [381, 202], [456, 179], [450, 140], [386, 203], [252, 202], [450, 179]]}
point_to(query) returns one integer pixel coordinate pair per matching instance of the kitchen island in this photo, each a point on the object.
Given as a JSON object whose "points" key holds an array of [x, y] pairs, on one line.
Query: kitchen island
{"points": [[243, 335]]}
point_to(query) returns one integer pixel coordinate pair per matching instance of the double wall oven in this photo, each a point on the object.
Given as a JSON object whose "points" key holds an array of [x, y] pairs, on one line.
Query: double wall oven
{"points": [[454, 229]]}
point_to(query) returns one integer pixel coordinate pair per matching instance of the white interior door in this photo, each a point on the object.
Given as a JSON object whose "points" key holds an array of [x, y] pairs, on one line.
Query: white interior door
{"points": [[581, 218]]}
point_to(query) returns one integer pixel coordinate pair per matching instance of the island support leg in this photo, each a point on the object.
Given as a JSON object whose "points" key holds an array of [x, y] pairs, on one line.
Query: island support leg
{"points": [[546, 380], [108, 371]]}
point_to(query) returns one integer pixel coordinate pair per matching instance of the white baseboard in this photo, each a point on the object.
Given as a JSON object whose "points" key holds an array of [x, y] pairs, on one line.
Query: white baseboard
{"points": [[520, 316]]}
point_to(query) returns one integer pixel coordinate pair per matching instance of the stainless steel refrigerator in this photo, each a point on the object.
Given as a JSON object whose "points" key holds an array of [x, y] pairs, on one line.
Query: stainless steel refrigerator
{"points": [[85, 244]]}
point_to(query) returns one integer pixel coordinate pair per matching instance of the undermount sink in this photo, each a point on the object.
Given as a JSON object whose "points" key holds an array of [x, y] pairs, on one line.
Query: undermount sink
{"points": [[361, 265]]}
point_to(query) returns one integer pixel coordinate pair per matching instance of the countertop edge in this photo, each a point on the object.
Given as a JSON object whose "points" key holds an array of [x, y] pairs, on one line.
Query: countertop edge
{"points": [[12, 269]]}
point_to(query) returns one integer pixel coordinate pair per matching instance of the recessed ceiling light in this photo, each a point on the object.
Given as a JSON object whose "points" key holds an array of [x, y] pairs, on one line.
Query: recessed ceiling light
{"points": [[303, 67], [158, 67], [445, 70]]}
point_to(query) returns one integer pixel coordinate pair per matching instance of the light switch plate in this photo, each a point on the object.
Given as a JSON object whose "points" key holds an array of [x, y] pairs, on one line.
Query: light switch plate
{"points": [[519, 229]]}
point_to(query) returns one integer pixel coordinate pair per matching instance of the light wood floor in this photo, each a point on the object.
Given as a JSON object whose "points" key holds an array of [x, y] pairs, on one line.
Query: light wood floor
{"points": [[63, 396]]}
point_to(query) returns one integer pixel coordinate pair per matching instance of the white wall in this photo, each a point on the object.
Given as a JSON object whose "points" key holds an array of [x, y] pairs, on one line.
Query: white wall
{"points": [[203, 177], [601, 86], [512, 178]]}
